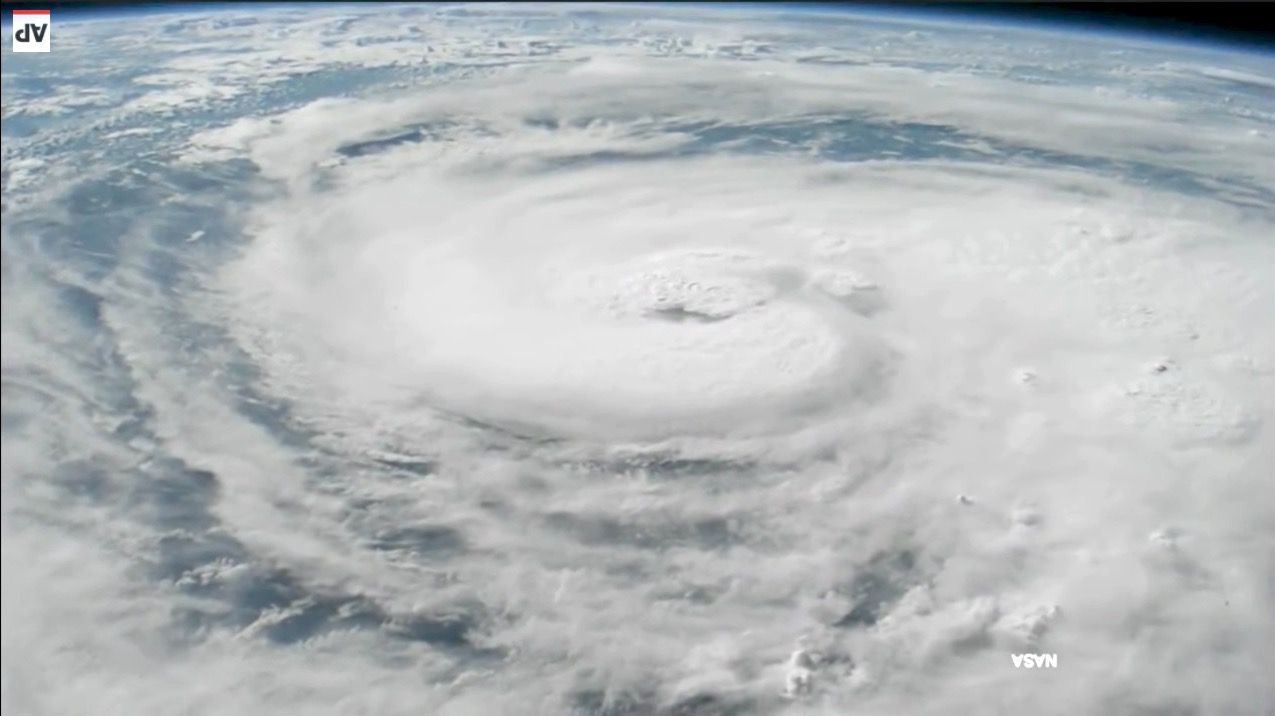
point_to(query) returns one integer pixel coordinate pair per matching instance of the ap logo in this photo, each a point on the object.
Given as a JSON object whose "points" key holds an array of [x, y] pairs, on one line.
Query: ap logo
{"points": [[31, 30]]}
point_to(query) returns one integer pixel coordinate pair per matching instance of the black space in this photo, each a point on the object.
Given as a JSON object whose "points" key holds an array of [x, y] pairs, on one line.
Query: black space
{"points": [[1249, 22]]}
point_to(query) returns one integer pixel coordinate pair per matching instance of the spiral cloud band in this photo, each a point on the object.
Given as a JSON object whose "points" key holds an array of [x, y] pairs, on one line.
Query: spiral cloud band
{"points": [[635, 361]]}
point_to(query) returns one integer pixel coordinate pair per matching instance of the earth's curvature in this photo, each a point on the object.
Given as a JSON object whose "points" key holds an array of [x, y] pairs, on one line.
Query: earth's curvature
{"points": [[634, 360]]}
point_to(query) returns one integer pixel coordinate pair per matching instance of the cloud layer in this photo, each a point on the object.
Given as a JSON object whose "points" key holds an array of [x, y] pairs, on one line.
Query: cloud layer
{"points": [[597, 361]]}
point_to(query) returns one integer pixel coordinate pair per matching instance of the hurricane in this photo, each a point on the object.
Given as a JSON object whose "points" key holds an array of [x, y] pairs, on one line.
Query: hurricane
{"points": [[624, 359]]}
